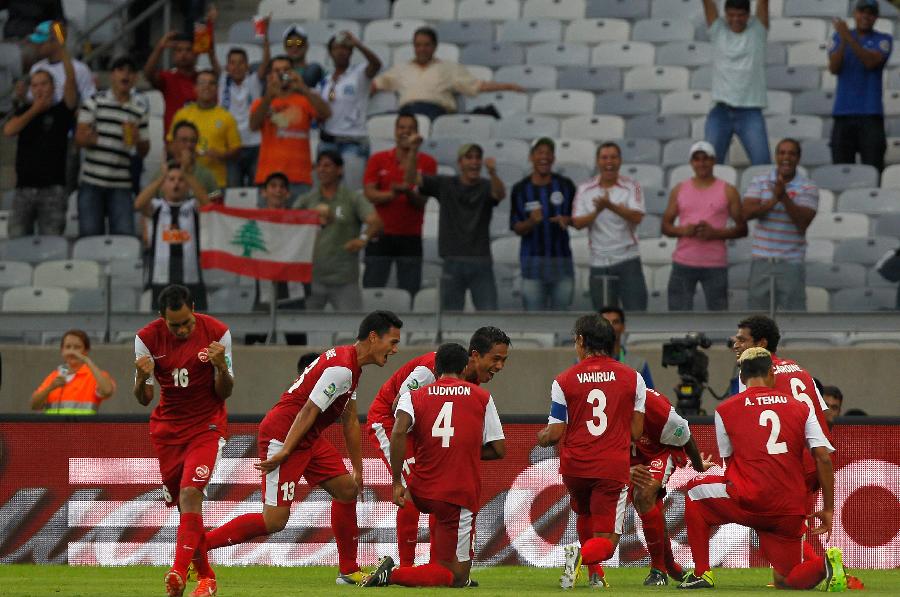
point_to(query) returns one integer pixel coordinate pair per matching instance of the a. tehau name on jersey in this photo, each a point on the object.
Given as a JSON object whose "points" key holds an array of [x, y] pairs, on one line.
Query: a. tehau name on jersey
{"points": [[764, 400]]}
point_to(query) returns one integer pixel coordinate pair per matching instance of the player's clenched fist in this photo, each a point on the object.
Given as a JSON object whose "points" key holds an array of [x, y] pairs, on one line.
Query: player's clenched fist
{"points": [[216, 354], [144, 366], [270, 464], [400, 495]]}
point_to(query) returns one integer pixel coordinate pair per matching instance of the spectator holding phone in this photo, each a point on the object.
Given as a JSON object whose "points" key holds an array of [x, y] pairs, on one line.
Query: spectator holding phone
{"points": [[78, 386]]}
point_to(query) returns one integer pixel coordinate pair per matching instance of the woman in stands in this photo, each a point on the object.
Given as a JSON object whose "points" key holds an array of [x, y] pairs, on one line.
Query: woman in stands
{"points": [[78, 386]]}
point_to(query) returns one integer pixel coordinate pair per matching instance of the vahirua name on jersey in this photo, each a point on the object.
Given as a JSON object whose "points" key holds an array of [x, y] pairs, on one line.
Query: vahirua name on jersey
{"points": [[596, 376]]}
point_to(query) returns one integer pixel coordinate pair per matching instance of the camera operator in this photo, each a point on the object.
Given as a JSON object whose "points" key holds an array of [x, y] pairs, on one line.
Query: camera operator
{"points": [[283, 117], [616, 317]]}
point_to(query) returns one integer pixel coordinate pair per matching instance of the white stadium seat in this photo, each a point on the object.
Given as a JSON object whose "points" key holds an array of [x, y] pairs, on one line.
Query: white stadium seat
{"points": [[562, 102], [558, 54], [391, 31], [657, 78], [77, 273], [623, 54], [491, 10], [594, 127], [293, 10], [796, 29], [690, 103], [33, 299], [531, 31], [592, 31], [838, 226], [431, 10], [567, 10]]}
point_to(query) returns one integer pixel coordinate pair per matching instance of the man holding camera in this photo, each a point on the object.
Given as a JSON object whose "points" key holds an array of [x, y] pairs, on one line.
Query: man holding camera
{"points": [[283, 117]]}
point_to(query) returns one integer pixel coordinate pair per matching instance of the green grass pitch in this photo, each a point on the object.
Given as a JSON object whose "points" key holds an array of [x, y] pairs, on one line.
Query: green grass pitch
{"points": [[262, 581]]}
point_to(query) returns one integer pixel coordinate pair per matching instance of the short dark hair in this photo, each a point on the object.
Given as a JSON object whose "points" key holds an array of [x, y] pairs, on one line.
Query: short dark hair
{"points": [[606, 144], [305, 360], [427, 31], [49, 74], [185, 123], [379, 322], [240, 51], [450, 358], [331, 154], [760, 327], [277, 176], [173, 297], [484, 339], [124, 62], [210, 72], [613, 309], [80, 334], [791, 140], [856, 412], [283, 57], [757, 366], [597, 334], [407, 114], [738, 5], [833, 391]]}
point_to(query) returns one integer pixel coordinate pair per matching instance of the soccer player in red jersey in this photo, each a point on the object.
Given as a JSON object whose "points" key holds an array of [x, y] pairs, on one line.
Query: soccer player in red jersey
{"points": [[664, 445], [761, 433], [291, 446], [453, 424], [189, 354], [596, 409], [488, 351]]}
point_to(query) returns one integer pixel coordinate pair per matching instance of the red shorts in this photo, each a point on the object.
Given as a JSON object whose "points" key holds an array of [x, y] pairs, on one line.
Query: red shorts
{"points": [[780, 537], [452, 530], [661, 466], [188, 465], [317, 464], [380, 437], [603, 499]]}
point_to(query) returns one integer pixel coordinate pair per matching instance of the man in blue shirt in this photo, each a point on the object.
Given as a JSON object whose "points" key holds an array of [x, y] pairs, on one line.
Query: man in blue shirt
{"points": [[540, 214], [858, 57]]}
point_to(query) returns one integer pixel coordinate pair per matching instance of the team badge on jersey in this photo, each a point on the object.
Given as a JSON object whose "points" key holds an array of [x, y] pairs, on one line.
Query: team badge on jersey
{"points": [[556, 198], [413, 385], [656, 464], [203, 355], [202, 472], [330, 390]]}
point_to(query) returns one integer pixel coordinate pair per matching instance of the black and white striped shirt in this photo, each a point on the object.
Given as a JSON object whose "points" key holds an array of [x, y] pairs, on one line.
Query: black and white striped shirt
{"points": [[108, 163]]}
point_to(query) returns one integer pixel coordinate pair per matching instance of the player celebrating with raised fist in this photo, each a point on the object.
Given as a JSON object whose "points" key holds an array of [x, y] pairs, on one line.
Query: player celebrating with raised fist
{"points": [[596, 409], [189, 354]]}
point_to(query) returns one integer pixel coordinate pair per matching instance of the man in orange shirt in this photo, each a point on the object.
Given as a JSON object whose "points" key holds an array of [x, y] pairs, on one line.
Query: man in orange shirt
{"points": [[283, 116]]}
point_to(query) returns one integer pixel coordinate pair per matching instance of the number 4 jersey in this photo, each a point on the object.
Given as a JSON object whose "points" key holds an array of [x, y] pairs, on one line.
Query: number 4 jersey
{"points": [[452, 419]]}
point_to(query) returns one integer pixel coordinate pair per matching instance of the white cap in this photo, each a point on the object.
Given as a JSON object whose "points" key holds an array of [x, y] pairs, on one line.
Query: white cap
{"points": [[294, 30], [703, 146]]}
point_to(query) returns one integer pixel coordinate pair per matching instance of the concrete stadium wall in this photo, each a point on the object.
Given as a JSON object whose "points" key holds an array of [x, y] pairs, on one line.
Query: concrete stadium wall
{"points": [[866, 376]]}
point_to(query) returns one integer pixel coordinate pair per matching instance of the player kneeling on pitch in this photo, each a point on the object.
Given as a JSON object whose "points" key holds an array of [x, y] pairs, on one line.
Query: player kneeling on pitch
{"points": [[453, 424]]}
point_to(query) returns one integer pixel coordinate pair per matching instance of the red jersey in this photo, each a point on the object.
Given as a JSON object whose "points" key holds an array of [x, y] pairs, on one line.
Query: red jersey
{"points": [[761, 433], [400, 216], [596, 398], [452, 419], [415, 374], [665, 431], [330, 382], [177, 90], [188, 404]]}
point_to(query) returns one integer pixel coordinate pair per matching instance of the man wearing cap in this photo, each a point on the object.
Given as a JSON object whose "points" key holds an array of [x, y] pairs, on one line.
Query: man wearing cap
{"points": [[858, 57], [112, 128], [464, 242], [296, 44], [52, 61], [703, 205], [540, 214]]}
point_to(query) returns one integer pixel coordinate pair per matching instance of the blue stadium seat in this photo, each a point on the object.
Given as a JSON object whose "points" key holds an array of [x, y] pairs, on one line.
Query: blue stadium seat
{"points": [[836, 275], [816, 102], [793, 78], [623, 9], [594, 127], [660, 127], [627, 103], [34, 249], [492, 54], [864, 299], [656, 199]]}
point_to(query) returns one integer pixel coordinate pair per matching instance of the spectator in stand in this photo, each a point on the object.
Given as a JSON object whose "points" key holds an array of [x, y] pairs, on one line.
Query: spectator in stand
{"points": [[78, 386], [51, 53], [284, 116], [42, 127], [612, 206], [238, 89], [112, 128], [175, 233], [541, 213], [276, 191], [183, 149], [220, 141], [857, 58], [305, 360], [400, 207], [616, 318], [785, 203], [464, 242], [346, 90], [703, 205], [296, 45], [739, 78], [834, 398], [348, 222], [426, 84]]}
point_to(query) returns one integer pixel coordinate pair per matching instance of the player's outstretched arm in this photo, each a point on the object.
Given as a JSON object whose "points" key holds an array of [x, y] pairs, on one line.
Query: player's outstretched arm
{"points": [[495, 450], [350, 419], [699, 461], [825, 473], [402, 423], [143, 391], [302, 422], [551, 434]]}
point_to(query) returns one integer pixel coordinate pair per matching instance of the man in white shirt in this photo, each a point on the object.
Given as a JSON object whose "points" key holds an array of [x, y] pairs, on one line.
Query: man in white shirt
{"points": [[52, 62], [612, 206]]}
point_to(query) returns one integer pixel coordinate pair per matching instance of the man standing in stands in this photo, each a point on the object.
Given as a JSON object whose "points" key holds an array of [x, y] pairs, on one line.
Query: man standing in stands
{"points": [[54, 63]]}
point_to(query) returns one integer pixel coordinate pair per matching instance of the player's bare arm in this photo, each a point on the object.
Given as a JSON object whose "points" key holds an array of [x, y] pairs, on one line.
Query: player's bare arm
{"points": [[302, 422], [553, 432], [144, 369], [825, 472], [224, 380], [637, 425], [700, 461], [402, 422], [495, 450], [350, 420]]}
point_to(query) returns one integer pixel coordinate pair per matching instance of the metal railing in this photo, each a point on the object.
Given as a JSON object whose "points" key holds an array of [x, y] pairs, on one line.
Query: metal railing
{"points": [[165, 6]]}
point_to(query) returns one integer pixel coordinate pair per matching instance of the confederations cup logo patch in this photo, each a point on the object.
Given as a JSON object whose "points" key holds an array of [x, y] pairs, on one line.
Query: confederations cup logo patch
{"points": [[203, 355], [656, 464], [202, 471]]}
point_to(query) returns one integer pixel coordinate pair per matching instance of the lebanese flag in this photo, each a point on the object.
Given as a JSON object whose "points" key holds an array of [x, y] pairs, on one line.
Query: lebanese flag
{"points": [[266, 244]]}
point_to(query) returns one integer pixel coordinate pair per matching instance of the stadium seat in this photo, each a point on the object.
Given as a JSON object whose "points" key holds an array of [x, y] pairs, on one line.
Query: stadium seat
{"points": [[575, 151], [491, 10], [887, 225], [656, 251], [246, 197], [360, 10], [819, 249], [689, 103], [558, 54], [467, 126], [639, 151], [4, 224], [656, 199], [840, 177], [680, 9], [739, 250], [684, 53], [817, 300], [891, 103], [443, 150], [870, 201], [647, 175], [155, 102], [839, 226], [892, 79], [590, 78], [663, 128], [107, 248], [776, 53], [596, 128], [808, 53], [816, 152], [393, 299], [649, 226], [627, 103], [382, 102], [793, 78], [493, 54], [739, 275], [623, 54], [581, 251], [34, 249], [528, 76], [826, 202], [430, 10], [815, 8], [778, 103], [567, 10], [232, 299], [676, 152], [835, 276], [623, 9], [577, 172], [127, 273], [425, 301], [34, 299], [660, 31], [15, 273], [254, 54], [448, 52], [892, 155], [890, 178], [506, 102], [77, 273], [506, 250], [391, 31], [865, 251], [864, 299], [464, 32], [684, 171], [242, 32], [512, 151], [592, 31], [798, 127], [93, 300], [531, 31], [875, 280], [480, 72], [562, 102], [701, 78], [796, 30], [527, 127], [296, 10], [656, 78]]}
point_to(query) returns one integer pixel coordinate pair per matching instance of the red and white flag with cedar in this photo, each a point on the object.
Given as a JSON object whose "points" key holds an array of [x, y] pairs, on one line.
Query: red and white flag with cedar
{"points": [[267, 244]]}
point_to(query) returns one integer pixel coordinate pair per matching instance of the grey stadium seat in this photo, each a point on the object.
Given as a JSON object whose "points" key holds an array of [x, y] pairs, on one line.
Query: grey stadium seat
{"points": [[872, 201], [660, 31], [232, 299], [527, 127], [658, 127], [531, 31], [636, 150], [701, 78], [815, 8], [93, 300], [463, 125], [739, 250], [816, 152], [394, 299], [793, 78], [655, 201], [465, 32], [107, 248], [15, 273], [506, 102], [34, 249], [888, 225], [675, 152], [494, 10], [684, 53], [836, 275], [623, 54], [359, 10], [624, 9], [798, 127], [127, 273], [875, 280], [627, 103], [649, 226], [319, 32], [647, 175], [442, 149], [559, 54], [776, 53], [589, 78], [864, 299], [670, 9], [492, 54], [512, 151], [840, 177], [865, 251], [33, 299], [528, 76], [592, 31], [577, 172], [817, 102]]}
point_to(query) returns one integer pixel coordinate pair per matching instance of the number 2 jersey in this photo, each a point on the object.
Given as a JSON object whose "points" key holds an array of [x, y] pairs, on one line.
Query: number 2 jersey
{"points": [[762, 433], [330, 382], [188, 404], [596, 398], [665, 432], [451, 420]]}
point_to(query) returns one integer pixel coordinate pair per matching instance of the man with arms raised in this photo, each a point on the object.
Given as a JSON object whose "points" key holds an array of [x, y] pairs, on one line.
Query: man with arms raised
{"points": [[189, 354], [291, 446], [596, 409], [453, 425]]}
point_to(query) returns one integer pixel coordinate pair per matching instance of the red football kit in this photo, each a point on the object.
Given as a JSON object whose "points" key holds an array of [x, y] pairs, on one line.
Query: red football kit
{"points": [[330, 383], [660, 447], [451, 420], [188, 426]]}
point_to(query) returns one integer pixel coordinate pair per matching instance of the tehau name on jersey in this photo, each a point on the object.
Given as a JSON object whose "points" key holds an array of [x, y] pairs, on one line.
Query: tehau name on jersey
{"points": [[596, 376], [788, 368], [765, 400], [449, 391]]}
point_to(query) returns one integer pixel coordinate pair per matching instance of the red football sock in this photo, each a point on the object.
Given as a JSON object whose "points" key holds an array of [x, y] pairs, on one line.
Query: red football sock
{"points": [[190, 530], [201, 561], [585, 528], [698, 535], [809, 551], [806, 575], [655, 535], [346, 534], [238, 530], [671, 565], [426, 575], [597, 550], [407, 533]]}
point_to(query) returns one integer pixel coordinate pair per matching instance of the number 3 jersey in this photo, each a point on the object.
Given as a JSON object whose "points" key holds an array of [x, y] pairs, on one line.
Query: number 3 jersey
{"points": [[451, 420], [188, 404], [596, 398], [761, 433]]}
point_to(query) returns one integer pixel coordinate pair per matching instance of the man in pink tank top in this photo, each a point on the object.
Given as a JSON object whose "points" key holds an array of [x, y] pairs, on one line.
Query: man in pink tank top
{"points": [[703, 206]]}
